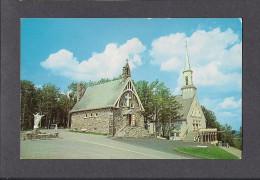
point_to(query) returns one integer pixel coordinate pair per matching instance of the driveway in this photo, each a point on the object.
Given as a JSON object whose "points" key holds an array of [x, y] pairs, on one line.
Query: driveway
{"points": [[72, 145]]}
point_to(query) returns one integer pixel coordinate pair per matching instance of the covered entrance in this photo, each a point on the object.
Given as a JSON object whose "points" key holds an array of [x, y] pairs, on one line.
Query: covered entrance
{"points": [[130, 118]]}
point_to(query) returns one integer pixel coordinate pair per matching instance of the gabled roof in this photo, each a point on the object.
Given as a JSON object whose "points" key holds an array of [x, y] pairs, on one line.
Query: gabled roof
{"points": [[186, 103], [100, 96]]}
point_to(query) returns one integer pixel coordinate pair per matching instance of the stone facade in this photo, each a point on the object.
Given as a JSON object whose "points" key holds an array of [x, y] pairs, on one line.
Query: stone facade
{"points": [[91, 121], [121, 116]]}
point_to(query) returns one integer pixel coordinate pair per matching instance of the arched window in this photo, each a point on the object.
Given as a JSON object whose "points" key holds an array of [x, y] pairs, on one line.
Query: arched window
{"points": [[186, 78]]}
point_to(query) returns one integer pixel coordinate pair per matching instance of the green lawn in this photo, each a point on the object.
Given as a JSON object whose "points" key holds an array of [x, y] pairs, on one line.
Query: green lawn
{"points": [[209, 152], [88, 133]]}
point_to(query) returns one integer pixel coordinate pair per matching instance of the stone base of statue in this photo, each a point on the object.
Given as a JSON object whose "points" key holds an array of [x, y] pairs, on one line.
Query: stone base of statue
{"points": [[38, 135]]}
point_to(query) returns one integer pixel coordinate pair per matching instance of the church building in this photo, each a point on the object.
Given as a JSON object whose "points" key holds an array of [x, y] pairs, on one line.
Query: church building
{"points": [[192, 126], [112, 108]]}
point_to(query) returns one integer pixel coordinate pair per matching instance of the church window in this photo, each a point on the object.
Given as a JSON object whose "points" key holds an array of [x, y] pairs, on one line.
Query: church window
{"points": [[86, 115], [91, 115], [186, 78]]}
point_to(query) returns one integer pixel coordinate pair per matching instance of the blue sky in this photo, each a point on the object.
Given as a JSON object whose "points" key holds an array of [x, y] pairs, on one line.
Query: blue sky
{"points": [[61, 51]]}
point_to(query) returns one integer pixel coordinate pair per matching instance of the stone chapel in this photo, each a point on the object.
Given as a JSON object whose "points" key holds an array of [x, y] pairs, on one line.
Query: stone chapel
{"points": [[112, 108]]}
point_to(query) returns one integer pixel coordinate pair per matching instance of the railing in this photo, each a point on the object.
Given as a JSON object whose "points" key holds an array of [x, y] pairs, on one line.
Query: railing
{"points": [[196, 136], [185, 133]]}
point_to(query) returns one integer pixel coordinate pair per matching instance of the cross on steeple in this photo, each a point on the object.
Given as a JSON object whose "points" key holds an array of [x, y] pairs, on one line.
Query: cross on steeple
{"points": [[127, 100]]}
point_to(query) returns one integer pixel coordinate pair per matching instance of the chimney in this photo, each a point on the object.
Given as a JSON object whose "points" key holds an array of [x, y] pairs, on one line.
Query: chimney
{"points": [[79, 91]]}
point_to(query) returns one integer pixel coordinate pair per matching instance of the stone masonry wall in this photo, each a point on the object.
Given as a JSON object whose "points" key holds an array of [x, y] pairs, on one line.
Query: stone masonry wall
{"points": [[96, 123], [120, 119]]}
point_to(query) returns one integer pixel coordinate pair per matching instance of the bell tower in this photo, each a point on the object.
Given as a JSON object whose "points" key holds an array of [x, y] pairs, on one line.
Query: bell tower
{"points": [[188, 90], [126, 71]]}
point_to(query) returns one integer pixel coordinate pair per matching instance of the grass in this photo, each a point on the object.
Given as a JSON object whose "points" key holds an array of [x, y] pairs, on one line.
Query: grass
{"points": [[88, 133], [209, 152]]}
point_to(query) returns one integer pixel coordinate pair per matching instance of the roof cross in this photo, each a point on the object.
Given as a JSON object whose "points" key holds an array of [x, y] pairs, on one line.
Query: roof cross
{"points": [[127, 100]]}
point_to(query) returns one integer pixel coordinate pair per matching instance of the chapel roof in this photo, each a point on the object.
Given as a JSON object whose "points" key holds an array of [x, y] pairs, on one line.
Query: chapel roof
{"points": [[100, 96], [186, 103]]}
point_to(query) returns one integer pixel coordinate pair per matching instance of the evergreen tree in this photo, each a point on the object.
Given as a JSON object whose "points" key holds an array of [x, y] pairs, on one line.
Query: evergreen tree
{"points": [[50, 96], [28, 104], [211, 119]]}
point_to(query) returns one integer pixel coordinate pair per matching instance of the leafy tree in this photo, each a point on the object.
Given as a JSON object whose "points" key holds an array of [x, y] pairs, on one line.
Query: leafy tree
{"points": [[49, 94], [28, 102], [158, 103], [228, 135], [238, 139], [64, 106]]}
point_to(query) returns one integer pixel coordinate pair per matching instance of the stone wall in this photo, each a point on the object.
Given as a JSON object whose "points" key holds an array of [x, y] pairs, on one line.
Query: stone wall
{"points": [[120, 117], [96, 123]]}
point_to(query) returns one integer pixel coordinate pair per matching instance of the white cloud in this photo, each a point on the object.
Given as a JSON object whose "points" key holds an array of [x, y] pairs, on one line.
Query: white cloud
{"points": [[210, 74], [107, 64], [231, 103], [215, 56], [38, 86]]}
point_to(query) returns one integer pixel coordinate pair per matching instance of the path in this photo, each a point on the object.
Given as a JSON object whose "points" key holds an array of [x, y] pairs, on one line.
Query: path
{"points": [[73, 145], [233, 151]]}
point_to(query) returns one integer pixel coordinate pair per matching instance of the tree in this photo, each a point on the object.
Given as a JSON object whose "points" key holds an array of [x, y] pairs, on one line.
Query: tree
{"points": [[211, 119], [49, 95], [158, 103], [28, 104], [238, 139], [228, 135], [63, 108]]}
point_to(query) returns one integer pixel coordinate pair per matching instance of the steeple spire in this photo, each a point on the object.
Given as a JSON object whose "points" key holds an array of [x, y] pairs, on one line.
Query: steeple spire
{"points": [[188, 90], [126, 71], [187, 63]]}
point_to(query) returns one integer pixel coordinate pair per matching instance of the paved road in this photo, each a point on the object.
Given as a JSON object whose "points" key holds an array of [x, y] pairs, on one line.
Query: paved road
{"points": [[85, 146]]}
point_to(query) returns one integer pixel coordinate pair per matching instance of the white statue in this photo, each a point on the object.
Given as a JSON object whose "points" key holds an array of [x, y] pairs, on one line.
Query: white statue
{"points": [[37, 119], [56, 127]]}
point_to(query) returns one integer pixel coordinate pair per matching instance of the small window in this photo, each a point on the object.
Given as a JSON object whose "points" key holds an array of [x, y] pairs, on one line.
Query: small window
{"points": [[132, 105], [186, 78], [86, 115], [177, 134], [96, 114], [91, 115]]}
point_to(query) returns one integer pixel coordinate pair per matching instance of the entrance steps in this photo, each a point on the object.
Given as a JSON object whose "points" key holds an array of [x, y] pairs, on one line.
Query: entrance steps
{"points": [[189, 137]]}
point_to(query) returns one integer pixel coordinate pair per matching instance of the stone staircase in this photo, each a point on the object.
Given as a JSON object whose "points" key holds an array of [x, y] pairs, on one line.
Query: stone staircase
{"points": [[189, 137]]}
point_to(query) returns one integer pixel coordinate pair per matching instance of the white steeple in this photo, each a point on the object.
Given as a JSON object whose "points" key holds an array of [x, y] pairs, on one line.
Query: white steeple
{"points": [[187, 63], [188, 90]]}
